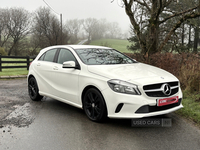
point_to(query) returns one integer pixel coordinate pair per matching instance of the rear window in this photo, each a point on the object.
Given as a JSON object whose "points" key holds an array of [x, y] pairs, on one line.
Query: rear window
{"points": [[48, 56]]}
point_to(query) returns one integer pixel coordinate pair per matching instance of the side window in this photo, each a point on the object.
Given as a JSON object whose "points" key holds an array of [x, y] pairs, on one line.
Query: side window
{"points": [[42, 57], [49, 56], [65, 55]]}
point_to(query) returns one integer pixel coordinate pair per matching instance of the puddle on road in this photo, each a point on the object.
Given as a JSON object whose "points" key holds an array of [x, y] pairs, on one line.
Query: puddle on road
{"points": [[13, 125], [22, 116]]}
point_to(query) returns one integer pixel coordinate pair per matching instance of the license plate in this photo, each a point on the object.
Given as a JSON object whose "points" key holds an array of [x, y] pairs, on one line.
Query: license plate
{"points": [[167, 101]]}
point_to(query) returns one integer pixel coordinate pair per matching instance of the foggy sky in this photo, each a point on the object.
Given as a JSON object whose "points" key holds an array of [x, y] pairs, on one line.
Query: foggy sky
{"points": [[77, 9]]}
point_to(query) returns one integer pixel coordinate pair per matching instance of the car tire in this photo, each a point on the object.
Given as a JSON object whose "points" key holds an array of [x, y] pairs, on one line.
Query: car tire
{"points": [[33, 90], [94, 105]]}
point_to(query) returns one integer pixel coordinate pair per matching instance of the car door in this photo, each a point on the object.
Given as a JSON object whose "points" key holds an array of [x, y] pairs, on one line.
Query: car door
{"points": [[67, 79], [45, 72]]}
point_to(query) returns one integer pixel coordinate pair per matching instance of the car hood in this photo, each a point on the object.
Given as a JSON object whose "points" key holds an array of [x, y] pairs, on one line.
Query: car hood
{"points": [[137, 73]]}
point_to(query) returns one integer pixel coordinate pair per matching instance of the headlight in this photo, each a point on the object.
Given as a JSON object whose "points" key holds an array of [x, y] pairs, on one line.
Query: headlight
{"points": [[123, 87]]}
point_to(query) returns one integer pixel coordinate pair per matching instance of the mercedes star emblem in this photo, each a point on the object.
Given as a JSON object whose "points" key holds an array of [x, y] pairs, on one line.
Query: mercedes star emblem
{"points": [[166, 89]]}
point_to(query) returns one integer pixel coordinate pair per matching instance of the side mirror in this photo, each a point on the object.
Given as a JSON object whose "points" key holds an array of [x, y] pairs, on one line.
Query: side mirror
{"points": [[70, 64]]}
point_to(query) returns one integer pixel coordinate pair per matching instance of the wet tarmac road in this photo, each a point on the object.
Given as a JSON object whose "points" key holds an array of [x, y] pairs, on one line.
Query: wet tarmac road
{"points": [[53, 125]]}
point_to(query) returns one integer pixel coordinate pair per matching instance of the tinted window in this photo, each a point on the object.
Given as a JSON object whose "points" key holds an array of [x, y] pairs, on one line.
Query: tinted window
{"points": [[65, 55], [103, 56], [49, 56]]}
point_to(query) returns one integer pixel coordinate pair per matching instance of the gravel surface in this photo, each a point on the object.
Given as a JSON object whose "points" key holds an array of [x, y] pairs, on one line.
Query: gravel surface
{"points": [[15, 108]]}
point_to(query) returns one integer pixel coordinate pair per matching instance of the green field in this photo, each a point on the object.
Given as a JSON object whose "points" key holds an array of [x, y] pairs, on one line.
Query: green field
{"points": [[120, 45]]}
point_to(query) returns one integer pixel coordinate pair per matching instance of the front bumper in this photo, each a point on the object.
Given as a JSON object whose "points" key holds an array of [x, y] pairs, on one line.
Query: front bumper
{"points": [[136, 106]]}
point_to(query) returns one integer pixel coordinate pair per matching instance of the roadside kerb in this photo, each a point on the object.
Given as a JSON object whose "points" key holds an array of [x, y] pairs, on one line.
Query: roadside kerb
{"points": [[13, 77]]}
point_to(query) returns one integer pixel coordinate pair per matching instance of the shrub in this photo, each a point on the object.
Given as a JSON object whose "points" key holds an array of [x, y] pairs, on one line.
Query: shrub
{"points": [[184, 66], [190, 72], [2, 52]]}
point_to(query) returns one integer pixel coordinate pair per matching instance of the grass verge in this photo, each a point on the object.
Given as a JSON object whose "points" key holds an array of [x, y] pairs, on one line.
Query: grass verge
{"points": [[14, 72], [191, 110], [118, 44]]}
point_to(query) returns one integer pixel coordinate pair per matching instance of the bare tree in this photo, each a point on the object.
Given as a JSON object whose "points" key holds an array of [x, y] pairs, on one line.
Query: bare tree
{"points": [[97, 29], [73, 27], [4, 32], [47, 29], [18, 25], [89, 26], [100, 29], [196, 33], [114, 30], [147, 17], [14, 26]]}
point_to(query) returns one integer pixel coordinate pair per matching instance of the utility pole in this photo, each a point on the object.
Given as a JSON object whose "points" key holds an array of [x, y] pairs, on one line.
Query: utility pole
{"points": [[61, 36], [61, 28]]}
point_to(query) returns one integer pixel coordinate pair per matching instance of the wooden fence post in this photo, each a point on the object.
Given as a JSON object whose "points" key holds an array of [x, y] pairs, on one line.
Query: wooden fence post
{"points": [[28, 62], [0, 63]]}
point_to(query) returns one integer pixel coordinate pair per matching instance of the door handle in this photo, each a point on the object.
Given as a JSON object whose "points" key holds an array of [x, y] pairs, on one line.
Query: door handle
{"points": [[38, 64], [55, 68]]}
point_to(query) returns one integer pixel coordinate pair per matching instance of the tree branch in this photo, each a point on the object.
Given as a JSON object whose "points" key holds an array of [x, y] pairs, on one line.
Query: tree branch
{"points": [[167, 3], [177, 14], [130, 2], [177, 25], [128, 8], [143, 4], [159, 10]]}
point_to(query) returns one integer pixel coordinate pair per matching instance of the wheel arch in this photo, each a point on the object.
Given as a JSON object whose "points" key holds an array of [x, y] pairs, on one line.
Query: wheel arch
{"points": [[33, 89], [89, 87], [30, 76], [101, 115]]}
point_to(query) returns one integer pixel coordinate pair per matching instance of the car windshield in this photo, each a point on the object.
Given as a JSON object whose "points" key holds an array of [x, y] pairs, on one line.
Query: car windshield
{"points": [[94, 56]]}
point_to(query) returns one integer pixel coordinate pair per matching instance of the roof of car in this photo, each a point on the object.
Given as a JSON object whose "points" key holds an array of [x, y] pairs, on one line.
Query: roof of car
{"points": [[85, 46], [77, 46], [74, 47]]}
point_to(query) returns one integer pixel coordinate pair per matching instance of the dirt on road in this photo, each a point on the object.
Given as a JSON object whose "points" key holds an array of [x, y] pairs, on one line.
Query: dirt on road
{"points": [[15, 108]]}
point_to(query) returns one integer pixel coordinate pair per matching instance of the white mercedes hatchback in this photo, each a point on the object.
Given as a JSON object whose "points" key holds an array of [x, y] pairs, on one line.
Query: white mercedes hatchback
{"points": [[103, 82]]}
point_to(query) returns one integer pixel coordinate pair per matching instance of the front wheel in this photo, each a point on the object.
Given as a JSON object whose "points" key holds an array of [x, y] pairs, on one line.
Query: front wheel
{"points": [[33, 90], [94, 105]]}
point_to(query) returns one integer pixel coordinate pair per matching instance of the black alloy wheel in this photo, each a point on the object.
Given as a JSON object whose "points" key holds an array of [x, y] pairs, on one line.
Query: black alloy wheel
{"points": [[33, 90], [94, 105]]}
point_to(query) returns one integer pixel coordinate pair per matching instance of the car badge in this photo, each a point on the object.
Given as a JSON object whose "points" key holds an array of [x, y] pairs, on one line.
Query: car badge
{"points": [[166, 89]]}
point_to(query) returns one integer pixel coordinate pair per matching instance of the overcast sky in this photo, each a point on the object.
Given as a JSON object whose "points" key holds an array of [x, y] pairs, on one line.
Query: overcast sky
{"points": [[77, 9]]}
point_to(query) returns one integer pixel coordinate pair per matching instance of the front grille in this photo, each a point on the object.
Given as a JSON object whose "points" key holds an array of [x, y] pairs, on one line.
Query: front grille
{"points": [[156, 90]]}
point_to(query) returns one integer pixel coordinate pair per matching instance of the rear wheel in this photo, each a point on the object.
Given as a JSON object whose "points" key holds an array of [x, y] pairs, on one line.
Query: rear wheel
{"points": [[94, 105], [33, 90]]}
